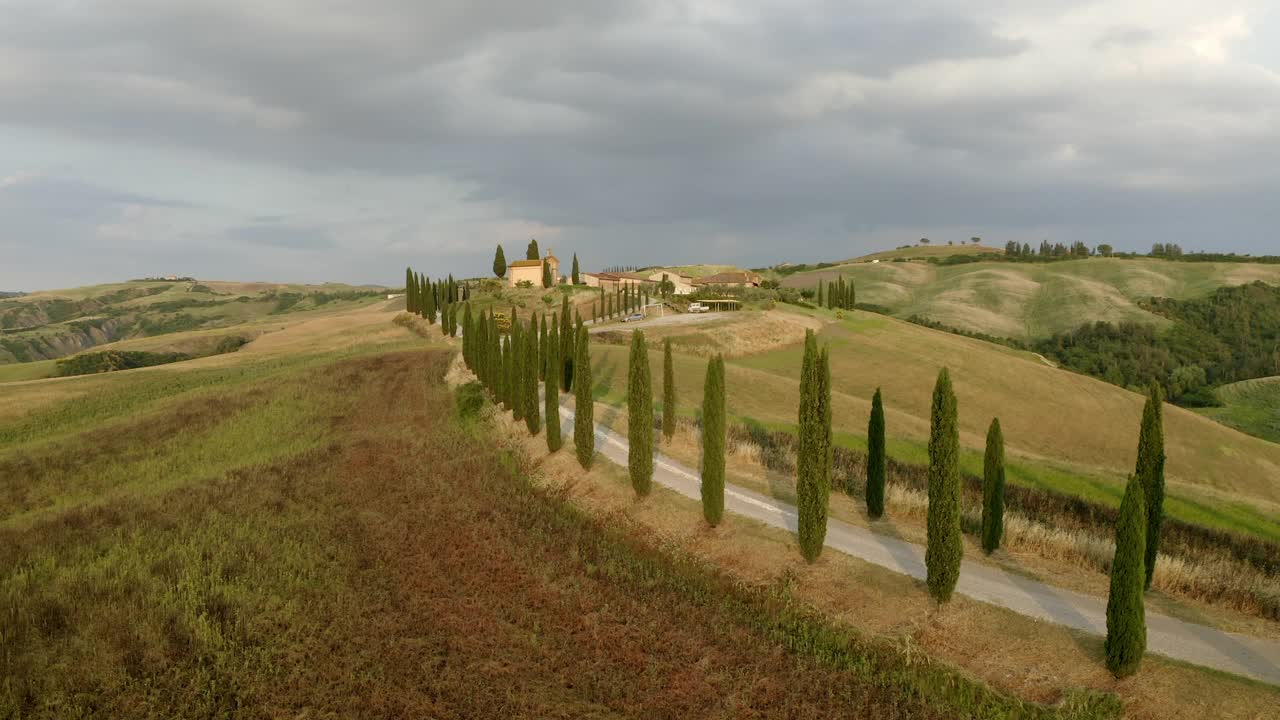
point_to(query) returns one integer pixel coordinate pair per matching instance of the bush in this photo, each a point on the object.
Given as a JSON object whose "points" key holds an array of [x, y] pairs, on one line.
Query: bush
{"points": [[230, 344], [469, 400]]}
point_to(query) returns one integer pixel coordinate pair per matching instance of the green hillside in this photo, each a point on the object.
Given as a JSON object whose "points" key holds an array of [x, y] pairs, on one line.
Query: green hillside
{"points": [[1251, 406], [1032, 300]]}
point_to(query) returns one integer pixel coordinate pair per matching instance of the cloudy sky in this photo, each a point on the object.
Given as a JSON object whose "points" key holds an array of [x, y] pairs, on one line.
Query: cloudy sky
{"points": [[314, 140]]}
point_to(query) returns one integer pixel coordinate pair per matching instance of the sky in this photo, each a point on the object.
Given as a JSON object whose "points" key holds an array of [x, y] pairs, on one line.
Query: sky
{"points": [[341, 140]]}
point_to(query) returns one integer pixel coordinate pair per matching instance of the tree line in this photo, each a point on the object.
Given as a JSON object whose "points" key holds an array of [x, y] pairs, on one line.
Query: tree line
{"points": [[552, 352]]}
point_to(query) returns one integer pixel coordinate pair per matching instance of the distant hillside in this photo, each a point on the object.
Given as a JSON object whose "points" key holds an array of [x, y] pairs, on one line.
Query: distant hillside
{"points": [[53, 324], [1251, 406], [1031, 300]]}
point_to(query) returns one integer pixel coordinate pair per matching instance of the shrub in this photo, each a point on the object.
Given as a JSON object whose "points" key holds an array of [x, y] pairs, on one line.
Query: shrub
{"points": [[469, 400]]}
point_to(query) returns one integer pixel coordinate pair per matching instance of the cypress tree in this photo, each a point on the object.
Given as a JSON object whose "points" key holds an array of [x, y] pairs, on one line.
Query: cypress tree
{"points": [[529, 382], [668, 392], [575, 277], [542, 348], [876, 459], [518, 360], [551, 389], [853, 296], [1126, 616], [408, 289], [504, 379], [813, 464], [993, 489], [547, 280], [713, 442], [640, 416], [567, 346], [945, 548], [1150, 472], [584, 434], [499, 263], [495, 357], [531, 252], [468, 329], [479, 346]]}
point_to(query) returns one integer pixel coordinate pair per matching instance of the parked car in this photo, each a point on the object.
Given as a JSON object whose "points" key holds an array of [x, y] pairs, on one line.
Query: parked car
{"points": [[633, 317], [698, 308]]}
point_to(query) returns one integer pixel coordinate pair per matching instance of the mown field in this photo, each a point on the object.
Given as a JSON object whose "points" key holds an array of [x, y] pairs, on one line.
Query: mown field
{"points": [[1063, 431], [1251, 406], [314, 534], [1032, 300]]}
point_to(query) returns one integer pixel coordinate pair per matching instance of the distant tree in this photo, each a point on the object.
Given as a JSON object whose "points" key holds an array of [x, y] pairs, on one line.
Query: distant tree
{"points": [[575, 278], [531, 252], [584, 438], [713, 442], [532, 413], [924, 241], [993, 489], [876, 459], [1106, 250], [975, 240], [821, 300], [1126, 615], [426, 304], [1026, 250], [640, 416], [1150, 472], [945, 547], [668, 392], [499, 263], [547, 280], [504, 382], [410, 292], [551, 389], [813, 462]]}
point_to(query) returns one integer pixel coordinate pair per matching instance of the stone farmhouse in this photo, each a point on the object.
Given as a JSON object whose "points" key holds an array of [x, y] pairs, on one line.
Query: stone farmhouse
{"points": [[531, 270]]}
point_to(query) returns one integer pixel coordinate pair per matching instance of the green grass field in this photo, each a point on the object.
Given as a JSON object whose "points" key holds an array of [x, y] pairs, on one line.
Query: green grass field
{"points": [[1063, 431], [1251, 406], [1032, 300]]}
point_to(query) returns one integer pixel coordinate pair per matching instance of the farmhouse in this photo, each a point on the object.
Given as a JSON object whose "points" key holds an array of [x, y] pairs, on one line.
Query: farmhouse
{"points": [[683, 284], [729, 279], [531, 270], [613, 281]]}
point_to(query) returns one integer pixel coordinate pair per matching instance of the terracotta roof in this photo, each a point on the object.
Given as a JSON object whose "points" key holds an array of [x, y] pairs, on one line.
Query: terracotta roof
{"points": [[525, 263]]}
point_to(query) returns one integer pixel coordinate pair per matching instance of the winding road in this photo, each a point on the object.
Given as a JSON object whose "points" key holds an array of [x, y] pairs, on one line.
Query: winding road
{"points": [[1251, 657]]}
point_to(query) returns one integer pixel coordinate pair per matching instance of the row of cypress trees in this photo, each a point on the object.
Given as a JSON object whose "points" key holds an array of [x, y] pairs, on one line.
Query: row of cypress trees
{"points": [[837, 295], [510, 369], [428, 299]]}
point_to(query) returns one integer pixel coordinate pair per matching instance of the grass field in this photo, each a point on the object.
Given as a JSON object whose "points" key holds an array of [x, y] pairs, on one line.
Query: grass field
{"points": [[310, 534], [1032, 300], [1063, 431], [1251, 406]]}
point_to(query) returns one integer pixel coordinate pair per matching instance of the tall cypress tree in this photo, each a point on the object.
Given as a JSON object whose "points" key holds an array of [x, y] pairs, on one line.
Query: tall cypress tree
{"points": [[575, 277], [820, 298], [408, 289], [1150, 472], [499, 263], [495, 357], [668, 392], [1126, 616], [945, 548], [531, 252], [547, 280], [713, 442], [529, 381], [993, 489], [640, 416], [567, 346], [543, 350], [813, 464], [504, 381], [468, 330], [551, 389], [876, 459], [584, 434], [518, 361], [427, 304]]}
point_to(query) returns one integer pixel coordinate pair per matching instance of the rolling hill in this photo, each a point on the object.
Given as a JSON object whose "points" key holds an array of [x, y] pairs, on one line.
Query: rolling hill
{"points": [[1251, 406], [1064, 431], [1031, 300], [47, 325]]}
